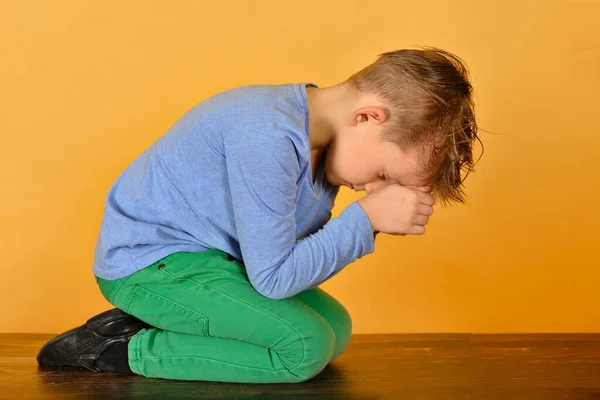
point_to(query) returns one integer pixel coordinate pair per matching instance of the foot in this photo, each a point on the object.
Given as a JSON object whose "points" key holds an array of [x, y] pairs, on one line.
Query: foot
{"points": [[83, 346]]}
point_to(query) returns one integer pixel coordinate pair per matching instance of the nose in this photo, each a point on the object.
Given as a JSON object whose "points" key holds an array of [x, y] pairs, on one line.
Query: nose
{"points": [[371, 187]]}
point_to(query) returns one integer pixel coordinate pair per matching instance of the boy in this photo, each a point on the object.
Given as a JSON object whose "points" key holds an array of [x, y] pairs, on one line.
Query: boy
{"points": [[214, 239]]}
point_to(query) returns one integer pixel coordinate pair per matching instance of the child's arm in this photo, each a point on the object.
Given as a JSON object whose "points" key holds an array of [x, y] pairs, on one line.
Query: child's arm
{"points": [[263, 171]]}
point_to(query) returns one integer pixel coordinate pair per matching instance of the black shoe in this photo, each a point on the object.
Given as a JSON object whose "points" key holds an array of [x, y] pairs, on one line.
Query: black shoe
{"points": [[83, 346]]}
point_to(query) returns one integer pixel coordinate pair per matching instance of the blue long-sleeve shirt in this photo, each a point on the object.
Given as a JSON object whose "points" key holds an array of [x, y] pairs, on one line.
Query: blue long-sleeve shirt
{"points": [[234, 174]]}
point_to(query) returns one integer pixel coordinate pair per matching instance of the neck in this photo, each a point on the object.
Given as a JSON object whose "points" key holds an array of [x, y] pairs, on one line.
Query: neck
{"points": [[327, 110]]}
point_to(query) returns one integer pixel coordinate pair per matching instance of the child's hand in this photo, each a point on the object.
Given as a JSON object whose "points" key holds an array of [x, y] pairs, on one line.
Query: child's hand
{"points": [[399, 210]]}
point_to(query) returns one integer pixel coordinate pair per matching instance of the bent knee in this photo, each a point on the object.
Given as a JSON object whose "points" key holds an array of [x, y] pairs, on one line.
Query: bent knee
{"points": [[343, 331], [308, 354]]}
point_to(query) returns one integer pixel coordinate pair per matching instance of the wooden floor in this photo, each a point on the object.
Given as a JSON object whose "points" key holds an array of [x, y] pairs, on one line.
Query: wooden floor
{"points": [[374, 367]]}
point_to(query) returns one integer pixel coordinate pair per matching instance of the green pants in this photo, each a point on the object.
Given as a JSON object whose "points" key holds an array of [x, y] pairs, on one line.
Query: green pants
{"points": [[212, 325]]}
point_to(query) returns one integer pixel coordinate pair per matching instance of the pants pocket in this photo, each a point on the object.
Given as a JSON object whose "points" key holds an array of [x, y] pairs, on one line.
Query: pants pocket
{"points": [[159, 311]]}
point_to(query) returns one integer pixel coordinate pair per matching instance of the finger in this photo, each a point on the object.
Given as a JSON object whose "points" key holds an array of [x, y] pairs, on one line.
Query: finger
{"points": [[417, 230], [420, 219], [421, 188], [424, 209], [426, 198]]}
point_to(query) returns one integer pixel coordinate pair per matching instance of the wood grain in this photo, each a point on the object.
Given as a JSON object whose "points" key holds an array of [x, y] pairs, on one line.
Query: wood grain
{"points": [[412, 366]]}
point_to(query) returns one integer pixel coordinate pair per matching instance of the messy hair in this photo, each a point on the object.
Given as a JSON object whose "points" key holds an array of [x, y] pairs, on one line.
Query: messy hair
{"points": [[428, 98]]}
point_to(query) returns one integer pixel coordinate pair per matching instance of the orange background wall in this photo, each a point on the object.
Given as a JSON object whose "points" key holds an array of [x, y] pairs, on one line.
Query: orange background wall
{"points": [[86, 86]]}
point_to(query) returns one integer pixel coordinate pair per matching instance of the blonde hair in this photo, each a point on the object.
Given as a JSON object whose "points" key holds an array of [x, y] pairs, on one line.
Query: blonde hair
{"points": [[428, 98]]}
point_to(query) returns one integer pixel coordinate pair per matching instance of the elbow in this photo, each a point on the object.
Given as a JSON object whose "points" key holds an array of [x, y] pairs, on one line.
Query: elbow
{"points": [[270, 289], [276, 296], [272, 283], [271, 293]]}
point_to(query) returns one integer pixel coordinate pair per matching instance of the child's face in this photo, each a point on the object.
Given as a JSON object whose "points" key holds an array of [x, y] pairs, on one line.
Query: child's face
{"points": [[360, 159]]}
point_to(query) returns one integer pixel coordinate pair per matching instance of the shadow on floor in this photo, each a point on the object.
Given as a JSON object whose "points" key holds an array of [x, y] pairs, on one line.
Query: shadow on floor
{"points": [[82, 384]]}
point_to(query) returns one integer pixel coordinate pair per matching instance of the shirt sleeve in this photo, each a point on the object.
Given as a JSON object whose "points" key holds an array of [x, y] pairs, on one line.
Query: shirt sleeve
{"points": [[263, 169]]}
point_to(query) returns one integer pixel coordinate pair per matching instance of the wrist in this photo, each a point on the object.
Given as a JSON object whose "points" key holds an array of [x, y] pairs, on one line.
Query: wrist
{"points": [[364, 208]]}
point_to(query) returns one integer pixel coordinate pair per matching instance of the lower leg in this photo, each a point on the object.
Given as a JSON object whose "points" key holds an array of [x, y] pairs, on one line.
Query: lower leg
{"points": [[163, 354]]}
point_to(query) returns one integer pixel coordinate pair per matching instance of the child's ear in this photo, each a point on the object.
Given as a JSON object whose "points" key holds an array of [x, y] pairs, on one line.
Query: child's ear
{"points": [[372, 113]]}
